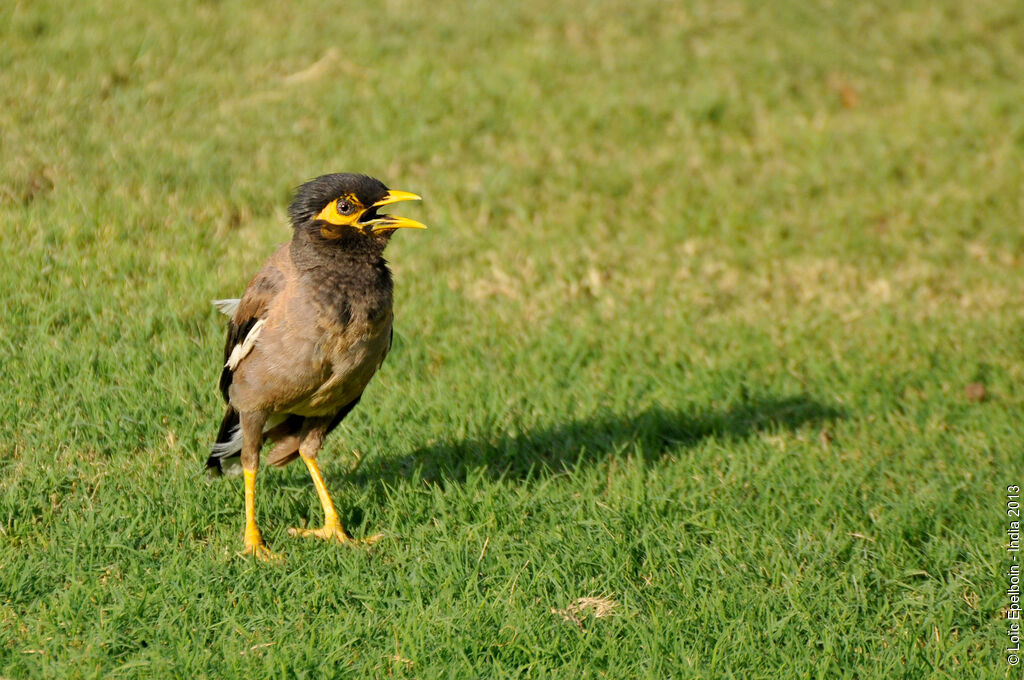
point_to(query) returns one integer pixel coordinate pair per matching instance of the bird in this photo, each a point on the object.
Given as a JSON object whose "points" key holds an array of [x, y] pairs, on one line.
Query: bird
{"points": [[311, 329]]}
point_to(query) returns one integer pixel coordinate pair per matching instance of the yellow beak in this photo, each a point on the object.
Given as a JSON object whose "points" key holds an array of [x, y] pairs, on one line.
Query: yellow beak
{"points": [[382, 222], [396, 197]]}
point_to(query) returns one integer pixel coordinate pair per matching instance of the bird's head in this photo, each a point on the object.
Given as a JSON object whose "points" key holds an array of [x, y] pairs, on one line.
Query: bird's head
{"points": [[343, 206]]}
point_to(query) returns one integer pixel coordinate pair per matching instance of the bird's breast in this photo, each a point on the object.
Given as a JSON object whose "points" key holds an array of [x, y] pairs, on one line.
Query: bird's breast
{"points": [[350, 357]]}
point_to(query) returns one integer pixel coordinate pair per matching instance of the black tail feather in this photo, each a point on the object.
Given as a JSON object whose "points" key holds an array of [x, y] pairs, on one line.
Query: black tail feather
{"points": [[227, 427]]}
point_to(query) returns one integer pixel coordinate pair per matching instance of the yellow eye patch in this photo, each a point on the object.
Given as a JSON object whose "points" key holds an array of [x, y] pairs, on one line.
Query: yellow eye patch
{"points": [[341, 212]]}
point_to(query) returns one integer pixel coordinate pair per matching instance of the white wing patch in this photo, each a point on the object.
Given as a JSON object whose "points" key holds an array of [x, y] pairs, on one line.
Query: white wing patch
{"points": [[227, 306], [243, 348]]}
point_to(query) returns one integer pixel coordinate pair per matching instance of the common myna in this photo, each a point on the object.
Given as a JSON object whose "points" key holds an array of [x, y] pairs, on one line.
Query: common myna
{"points": [[311, 329]]}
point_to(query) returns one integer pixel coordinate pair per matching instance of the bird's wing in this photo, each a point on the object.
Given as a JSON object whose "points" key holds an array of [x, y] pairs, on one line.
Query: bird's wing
{"points": [[245, 326], [227, 306]]}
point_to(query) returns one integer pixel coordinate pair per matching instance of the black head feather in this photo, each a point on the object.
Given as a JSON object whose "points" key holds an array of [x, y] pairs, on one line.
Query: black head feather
{"points": [[314, 195]]}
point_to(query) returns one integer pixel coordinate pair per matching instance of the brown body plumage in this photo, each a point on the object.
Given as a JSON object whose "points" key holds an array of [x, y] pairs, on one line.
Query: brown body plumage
{"points": [[305, 339]]}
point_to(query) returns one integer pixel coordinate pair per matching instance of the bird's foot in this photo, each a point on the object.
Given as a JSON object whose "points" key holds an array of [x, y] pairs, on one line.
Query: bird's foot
{"points": [[333, 531], [261, 552]]}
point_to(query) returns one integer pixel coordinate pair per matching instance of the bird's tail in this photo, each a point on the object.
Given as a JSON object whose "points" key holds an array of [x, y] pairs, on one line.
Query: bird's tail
{"points": [[226, 451]]}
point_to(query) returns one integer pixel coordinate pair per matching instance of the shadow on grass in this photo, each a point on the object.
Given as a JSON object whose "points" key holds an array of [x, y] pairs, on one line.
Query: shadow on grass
{"points": [[652, 432]]}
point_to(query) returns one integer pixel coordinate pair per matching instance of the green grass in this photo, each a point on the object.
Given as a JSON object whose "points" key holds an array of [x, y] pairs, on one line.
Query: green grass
{"points": [[691, 331]]}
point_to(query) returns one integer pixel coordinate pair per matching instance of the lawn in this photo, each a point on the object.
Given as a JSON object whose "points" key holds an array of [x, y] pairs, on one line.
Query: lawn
{"points": [[707, 367]]}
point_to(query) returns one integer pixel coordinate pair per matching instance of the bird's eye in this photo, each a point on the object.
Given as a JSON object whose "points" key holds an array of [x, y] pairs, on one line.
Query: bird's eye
{"points": [[344, 208]]}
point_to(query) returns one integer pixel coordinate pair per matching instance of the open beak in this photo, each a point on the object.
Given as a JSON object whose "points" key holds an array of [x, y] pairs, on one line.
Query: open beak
{"points": [[382, 222]]}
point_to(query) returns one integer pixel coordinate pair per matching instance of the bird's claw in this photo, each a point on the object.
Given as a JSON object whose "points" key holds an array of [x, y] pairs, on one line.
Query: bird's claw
{"points": [[333, 533], [261, 552], [370, 540], [328, 532]]}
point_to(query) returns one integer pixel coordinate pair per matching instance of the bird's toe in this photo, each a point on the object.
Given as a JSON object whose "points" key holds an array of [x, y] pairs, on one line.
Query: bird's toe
{"points": [[261, 552], [328, 532], [334, 533]]}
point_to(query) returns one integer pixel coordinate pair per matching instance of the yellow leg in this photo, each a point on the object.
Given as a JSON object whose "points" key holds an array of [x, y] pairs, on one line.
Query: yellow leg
{"points": [[254, 544], [332, 529]]}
